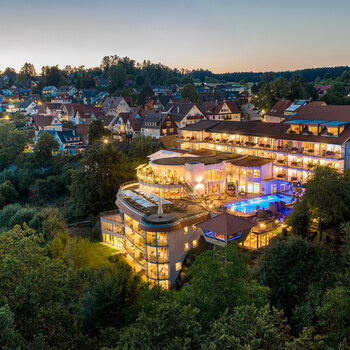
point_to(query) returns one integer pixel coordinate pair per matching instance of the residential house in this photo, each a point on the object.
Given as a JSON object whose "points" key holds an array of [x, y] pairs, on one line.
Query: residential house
{"points": [[226, 110], [129, 123], [46, 122], [68, 90], [322, 89], [115, 105], [49, 91], [158, 124], [69, 141], [27, 107], [276, 113], [62, 98], [185, 113]]}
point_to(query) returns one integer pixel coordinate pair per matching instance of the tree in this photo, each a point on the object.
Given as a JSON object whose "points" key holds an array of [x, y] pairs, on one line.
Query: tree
{"points": [[140, 147], [300, 219], [248, 327], [297, 274], [327, 196], [9, 336], [12, 143], [44, 148], [97, 130], [226, 272], [144, 95], [8, 194], [102, 170], [140, 80], [51, 75], [110, 298], [168, 326], [118, 77], [11, 74], [27, 71], [42, 293], [334, 315], [190, 92]]}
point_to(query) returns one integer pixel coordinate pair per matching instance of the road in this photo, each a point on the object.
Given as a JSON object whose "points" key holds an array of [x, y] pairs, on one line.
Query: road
{"points": [[253, 115]]}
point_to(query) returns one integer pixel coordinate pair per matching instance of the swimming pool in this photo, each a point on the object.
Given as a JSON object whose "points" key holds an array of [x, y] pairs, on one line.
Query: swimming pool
{"points": [[250, 205]]}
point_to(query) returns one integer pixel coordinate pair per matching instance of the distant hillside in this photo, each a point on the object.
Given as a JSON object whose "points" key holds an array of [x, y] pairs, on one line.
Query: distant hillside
{"points": [[309, 74]]}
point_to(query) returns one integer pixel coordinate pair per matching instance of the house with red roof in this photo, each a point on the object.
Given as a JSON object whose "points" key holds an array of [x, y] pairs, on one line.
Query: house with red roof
{"points": [[223, 110]]}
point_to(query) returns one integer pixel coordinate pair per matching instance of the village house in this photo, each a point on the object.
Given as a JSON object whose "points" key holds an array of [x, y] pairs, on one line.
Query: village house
{"points": [[158, 124], [223, 110], [185, 113], [27, 107], [115, 105], [49, 91]]}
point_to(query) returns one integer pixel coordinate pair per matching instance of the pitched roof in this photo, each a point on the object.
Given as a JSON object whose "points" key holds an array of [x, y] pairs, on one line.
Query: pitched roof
{"points": [[225, 224], [324, 112], [153, 120], [279, 107], [42, 120], [82, 129], [179, 110], [112, 102]]}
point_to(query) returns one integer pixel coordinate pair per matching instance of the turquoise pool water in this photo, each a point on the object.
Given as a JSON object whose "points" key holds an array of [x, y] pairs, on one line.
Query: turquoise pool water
{"points": [[250, 205]]}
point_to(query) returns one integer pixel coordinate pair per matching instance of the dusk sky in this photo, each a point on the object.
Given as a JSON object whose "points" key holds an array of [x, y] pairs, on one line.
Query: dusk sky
{"points": [[220, 35]]}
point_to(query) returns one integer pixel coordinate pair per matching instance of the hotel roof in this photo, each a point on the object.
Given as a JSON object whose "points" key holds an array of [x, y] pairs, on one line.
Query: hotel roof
{"points": [[225, 224]]}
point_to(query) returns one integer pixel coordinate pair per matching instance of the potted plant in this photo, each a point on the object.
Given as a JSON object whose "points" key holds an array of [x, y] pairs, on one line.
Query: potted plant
{"points": [[262, 145], [268, 146], [279, 147], [295, 149], [280, 176], [280, 161], [293, 179], [329, 153], [310, 150], [294, 163]]}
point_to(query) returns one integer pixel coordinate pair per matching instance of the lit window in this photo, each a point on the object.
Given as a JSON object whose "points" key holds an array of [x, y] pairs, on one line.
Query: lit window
{"points": [[187, 246], [194, 227], [178, 266], [186, 229], [195, 243]]}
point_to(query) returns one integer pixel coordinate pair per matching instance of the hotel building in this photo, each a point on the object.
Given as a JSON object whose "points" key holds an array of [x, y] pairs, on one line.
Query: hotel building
{"points": [[179, 192]]}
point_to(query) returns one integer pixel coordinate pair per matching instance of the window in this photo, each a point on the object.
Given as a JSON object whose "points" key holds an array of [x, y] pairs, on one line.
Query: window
{"points": [[178, 266], [186, 229], [194, 227], [195, 243], [187, 246]]}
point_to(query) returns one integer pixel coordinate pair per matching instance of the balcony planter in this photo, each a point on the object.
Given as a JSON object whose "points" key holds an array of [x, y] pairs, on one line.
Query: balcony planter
{"points": [[280, 176], [238, 142], [295, 149], [294, 163], [279, 147], [253, 144], [330, 153], [291, 132], [217, 140], [280, 161], [293, 179], [247, 143], [330, 134], [262, 145], [231, 141], [268, 146], [310, 151], [310, 165]]}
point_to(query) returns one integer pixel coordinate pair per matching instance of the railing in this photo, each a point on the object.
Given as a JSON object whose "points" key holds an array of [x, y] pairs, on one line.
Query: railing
{"points": [[275, 148]]}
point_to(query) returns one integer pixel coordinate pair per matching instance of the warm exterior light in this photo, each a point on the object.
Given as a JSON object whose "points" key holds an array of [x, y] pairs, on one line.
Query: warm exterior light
{"points": [[262, 225], [105, 141], [199, 179], [7, 117], [199, 186]]}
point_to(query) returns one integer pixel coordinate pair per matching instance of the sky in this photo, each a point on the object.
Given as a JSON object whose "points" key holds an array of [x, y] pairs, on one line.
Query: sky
{"points": [[219, 35]]}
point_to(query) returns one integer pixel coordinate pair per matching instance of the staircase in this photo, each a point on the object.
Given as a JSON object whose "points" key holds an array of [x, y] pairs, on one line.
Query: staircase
{"points": [[191, 192]]}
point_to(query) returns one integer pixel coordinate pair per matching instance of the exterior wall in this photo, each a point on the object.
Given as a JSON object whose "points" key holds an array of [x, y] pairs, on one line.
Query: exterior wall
{"points": [[288, 165], [151, 132], [271, 119], [178, 251]]}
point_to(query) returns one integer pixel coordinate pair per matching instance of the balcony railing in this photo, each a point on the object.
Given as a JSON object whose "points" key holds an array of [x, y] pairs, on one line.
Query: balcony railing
{"points": [[270, 147]]}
